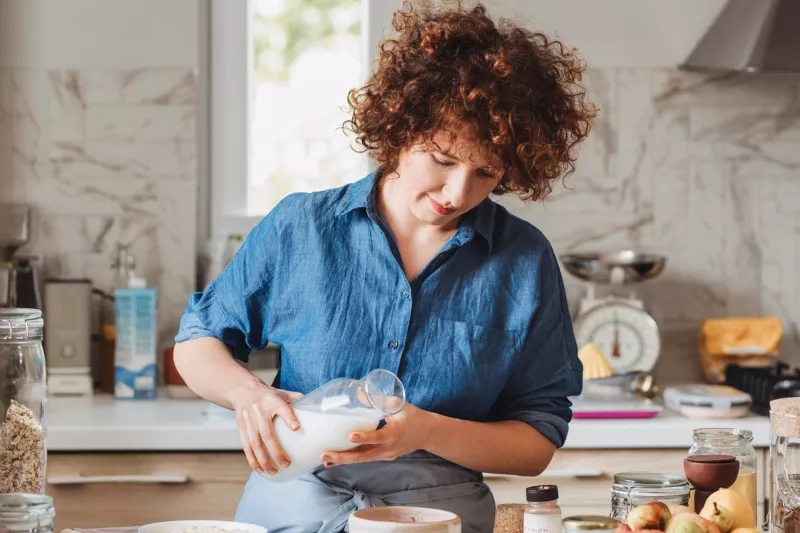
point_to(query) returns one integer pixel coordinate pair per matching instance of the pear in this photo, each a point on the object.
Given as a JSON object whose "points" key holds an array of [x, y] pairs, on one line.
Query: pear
{"points": [[706, 526], [736, 503], [679, 509], [683, 526], [720, 515], [653, 515]]}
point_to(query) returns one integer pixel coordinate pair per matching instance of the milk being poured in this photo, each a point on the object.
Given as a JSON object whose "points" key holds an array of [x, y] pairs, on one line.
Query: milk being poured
{"points": [[319, 432]]}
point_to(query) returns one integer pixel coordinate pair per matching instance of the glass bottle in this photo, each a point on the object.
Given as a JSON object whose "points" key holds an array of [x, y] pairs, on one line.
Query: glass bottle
{"points": [[23, 402], [26, 513], [631, 489], [329, 414], [735, 442], [542, 514]]}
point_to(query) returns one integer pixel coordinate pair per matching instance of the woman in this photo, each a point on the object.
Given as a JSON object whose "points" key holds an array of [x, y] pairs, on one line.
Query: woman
{"points": [[415, 270]]}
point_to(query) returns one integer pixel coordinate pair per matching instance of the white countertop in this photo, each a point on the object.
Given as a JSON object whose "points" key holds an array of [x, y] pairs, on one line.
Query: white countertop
{"points": [[101, 423]]}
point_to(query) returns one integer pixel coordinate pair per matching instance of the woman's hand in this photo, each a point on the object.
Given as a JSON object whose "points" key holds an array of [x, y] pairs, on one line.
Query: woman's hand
{"points": [[256, 406], [403, 433]]}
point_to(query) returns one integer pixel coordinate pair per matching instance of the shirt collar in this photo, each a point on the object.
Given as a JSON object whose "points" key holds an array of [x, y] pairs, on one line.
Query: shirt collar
{"points": [[361, 195]]}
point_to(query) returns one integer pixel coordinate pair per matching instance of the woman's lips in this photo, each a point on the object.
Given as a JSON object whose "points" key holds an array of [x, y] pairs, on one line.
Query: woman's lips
{"points": [[439, 208]]}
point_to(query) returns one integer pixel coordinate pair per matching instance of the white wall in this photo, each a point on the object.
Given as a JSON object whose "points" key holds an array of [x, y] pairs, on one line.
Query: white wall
{"points": [[607, 33], [99, 113], [123, 34]]}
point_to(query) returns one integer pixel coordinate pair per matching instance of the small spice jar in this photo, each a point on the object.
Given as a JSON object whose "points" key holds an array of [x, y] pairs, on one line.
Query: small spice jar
{"points": [[631, 489], [26, 513], [596, 524], [542, 515]]}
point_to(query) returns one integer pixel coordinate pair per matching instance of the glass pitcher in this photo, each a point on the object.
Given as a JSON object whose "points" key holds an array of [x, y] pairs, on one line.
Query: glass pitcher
{"points": [[784, 458], [23, 401], [329, 414]]}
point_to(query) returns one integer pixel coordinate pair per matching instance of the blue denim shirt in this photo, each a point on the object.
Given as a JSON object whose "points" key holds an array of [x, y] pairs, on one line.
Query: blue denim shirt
{"points": [[483, 333]]}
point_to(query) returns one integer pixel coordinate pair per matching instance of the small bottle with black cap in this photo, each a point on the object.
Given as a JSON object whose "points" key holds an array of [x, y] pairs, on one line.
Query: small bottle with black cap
{"points": [[542, 515]]}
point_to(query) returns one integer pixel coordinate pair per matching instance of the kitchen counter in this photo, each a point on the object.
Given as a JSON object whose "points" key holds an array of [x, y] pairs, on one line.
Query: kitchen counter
{"points": [[101, 423]]}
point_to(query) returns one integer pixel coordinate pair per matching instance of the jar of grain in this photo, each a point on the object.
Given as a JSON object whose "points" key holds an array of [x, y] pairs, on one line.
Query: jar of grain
{"points": [[23, 400]]}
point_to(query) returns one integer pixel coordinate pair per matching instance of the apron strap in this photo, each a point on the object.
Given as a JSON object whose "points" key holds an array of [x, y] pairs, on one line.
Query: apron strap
{"points": [[337, 520]]}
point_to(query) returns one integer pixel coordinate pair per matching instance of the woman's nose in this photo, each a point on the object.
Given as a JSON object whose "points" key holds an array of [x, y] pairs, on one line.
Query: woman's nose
{"points": [[457, 188]]}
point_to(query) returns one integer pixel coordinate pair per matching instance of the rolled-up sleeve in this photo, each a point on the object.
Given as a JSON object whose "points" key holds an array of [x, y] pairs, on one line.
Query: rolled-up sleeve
{"points": [[548, 370], [232, 308]]}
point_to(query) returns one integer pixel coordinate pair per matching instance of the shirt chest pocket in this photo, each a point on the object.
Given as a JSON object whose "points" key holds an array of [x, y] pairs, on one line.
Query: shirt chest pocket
{"points": [[466, 364]]}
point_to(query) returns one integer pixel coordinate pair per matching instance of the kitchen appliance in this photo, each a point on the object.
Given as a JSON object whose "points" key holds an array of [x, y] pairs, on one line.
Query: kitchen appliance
{"points": [[617, 323], [764, 384], [750, 36], [18, 284], [68, 336]]}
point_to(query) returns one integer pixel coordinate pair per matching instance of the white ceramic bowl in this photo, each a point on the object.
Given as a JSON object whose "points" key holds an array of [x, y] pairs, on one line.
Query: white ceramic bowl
{"points": [[402, 519], [175, 526]]}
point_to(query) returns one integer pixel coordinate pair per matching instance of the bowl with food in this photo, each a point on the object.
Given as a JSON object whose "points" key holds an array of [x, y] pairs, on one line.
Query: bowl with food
{"points": [[201, 526]]}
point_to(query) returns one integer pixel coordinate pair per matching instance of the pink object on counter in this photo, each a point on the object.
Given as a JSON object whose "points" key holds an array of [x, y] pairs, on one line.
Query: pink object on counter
{"points": [[601, 415]]}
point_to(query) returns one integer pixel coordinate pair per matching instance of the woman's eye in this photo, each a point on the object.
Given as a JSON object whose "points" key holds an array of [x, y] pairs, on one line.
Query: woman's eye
{"points": [[484, 173], [440, 162]]}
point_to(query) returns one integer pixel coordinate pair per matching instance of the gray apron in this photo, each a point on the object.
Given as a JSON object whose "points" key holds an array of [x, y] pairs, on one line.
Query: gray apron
{"points": [[322, 501]]}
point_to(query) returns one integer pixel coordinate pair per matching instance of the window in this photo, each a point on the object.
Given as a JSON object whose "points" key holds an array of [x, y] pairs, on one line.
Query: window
{"points": [[280, 74]]}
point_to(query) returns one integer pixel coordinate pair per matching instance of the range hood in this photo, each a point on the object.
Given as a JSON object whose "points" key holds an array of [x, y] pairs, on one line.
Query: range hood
{"points": [[751, 36]]}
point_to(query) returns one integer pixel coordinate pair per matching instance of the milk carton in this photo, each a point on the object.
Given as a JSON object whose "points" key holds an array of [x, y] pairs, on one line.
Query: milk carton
{"points": [[136, 345]]}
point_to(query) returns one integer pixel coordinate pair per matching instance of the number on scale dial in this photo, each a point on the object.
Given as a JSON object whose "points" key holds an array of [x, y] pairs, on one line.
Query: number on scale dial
{"points": [[626, 335]]}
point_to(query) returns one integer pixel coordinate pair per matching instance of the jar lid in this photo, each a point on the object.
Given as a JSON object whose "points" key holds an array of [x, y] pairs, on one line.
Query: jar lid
{"points": [[18, 502], [590, 523], [20, 324], [784, 416], [542, 493], [649, 479]]}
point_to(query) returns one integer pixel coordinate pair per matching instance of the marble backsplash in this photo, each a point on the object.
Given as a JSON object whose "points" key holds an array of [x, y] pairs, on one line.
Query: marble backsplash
{"points": [[105, 157], [703, 168]]}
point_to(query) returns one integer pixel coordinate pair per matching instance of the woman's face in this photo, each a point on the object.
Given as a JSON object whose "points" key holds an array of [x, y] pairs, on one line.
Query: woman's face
{"points": [[441, 182]]}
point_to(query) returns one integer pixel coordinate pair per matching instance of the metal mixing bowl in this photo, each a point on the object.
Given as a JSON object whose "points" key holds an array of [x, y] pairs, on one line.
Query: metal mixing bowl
{"points": [[613, 267]]}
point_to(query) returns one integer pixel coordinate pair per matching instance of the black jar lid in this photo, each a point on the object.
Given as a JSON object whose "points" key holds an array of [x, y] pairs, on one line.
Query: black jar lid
{"points": [[542, 493]]}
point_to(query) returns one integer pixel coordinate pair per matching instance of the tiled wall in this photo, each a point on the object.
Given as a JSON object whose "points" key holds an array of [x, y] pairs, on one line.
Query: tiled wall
{"points": [[105, 157], [702, 168], [705, 169]]}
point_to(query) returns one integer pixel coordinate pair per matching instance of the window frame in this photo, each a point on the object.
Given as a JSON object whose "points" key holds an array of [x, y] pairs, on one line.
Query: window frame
{"points": [[231, 98]]}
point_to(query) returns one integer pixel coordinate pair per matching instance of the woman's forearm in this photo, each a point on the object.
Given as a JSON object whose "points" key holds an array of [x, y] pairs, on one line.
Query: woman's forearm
{"points": [[208, 368], [509, 447]]}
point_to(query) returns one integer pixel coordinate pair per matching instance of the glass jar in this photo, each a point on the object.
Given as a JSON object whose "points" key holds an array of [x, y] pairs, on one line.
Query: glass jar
{"points": [[596, 524], [631, 489], [23, 402], [735, 442], [26, 513], [784, 470], [542, 515]]}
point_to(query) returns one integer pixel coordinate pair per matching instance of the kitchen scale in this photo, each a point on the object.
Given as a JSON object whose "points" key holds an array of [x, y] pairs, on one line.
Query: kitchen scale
{"points": [[617, 323]]}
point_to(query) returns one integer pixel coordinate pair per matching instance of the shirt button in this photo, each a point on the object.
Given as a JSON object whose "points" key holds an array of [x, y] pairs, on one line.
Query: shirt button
{"points": [[406, 294], [394, 344]]}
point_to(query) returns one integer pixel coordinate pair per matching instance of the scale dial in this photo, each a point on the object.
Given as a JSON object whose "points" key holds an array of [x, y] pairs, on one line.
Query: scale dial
{"points": [[627, 335]]}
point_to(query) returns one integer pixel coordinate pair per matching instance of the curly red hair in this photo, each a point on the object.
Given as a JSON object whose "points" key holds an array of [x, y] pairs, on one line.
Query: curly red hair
{"points": [[516, 91]]}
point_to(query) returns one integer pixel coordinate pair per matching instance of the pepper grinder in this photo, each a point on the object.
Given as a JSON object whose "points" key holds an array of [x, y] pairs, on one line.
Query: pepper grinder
{"points": [[709, 473]]}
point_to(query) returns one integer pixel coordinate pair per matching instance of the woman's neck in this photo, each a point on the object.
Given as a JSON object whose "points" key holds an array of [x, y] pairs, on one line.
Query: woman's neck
{"points": [[402, 221]]}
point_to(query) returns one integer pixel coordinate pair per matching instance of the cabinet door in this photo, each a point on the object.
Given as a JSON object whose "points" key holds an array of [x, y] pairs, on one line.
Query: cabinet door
{"points": [[584, 477], [116, 490]]}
